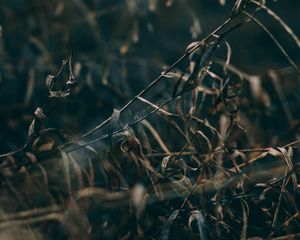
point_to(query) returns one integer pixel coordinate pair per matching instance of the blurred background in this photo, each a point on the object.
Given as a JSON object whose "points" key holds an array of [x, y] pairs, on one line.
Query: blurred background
{"points": [[120, 46]]}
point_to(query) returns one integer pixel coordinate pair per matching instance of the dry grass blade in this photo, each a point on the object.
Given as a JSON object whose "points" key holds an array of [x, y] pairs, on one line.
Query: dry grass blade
{"points": [[30, 213], [289, 236], [274, 40], [245, 208], [180, 60], [30, 86], [66, 171], [164, 164], [287, 155], [32, 220], [167, 227], [280, 199], [236, 7], [197, 216], [79, 172], [276, 82], [156, 136], [280, 21], [228, 58], [173, 161], [159, 109], [114, 120]]}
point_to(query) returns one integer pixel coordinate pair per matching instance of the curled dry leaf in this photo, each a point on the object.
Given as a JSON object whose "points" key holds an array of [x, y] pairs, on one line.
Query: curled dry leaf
{"points": [[48, 146], [165, 163], [228, 58], [31, 156], [193, 46], [32, 128], [200, 140], [39, 113], [197, 216], [59, 94], [71, 81], [50, 79], [130, 142]]}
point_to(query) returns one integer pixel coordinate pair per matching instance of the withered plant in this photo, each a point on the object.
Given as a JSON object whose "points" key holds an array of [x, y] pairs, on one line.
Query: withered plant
{"points": [[196, 154]]}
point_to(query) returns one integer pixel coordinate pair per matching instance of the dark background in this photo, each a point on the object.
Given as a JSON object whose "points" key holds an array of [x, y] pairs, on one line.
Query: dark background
{"points": [[119, 46]]}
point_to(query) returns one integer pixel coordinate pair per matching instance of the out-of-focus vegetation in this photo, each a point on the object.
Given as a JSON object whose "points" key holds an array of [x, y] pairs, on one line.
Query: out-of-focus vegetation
{"points": [[149, 119]]}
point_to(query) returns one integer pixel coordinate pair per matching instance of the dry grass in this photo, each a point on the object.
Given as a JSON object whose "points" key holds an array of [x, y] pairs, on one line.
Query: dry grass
{"points": [[184, 158]]}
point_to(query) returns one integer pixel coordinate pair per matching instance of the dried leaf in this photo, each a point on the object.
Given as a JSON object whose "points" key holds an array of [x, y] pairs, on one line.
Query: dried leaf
{"points": [[130, 142], [198, 216], [31, 156], [164, 164], [72, 79], [30, 86], [193, 46], [32, 128], [287, 156], [228, 58], [236, 7], [39, 113], [156, 136], [207, 140], [59, 94], [50, 81], [159, 109], [47, 146], [66, 170], [114, 119]]}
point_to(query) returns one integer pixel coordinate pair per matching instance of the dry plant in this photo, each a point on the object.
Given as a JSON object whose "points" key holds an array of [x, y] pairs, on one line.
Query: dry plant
{"points": [[181, 159]]}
